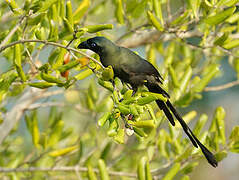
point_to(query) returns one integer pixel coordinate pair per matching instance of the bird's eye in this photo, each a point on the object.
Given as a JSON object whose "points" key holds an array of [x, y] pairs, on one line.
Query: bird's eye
{"points": [[93, 44]]}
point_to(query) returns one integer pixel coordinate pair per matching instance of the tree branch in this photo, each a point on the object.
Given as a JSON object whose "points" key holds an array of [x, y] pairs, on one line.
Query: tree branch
{"points": [[11, 33], [16, 112], [63, 169], [23, 103], [222, 87], [49, 43]]}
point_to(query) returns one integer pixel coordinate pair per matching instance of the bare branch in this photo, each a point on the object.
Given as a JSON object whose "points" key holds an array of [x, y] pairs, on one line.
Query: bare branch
{"points": [[16, 112], [22, 104], [63, 169], [46, 104], [49, 43], [11, 33], [222, 87]]}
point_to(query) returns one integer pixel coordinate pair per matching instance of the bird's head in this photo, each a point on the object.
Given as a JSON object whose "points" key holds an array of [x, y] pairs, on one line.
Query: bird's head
{"points": [[98, 44]]}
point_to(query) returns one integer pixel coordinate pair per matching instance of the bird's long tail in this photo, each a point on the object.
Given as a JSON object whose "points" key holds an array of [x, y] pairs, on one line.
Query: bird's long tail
{"points": [[168, 110]]}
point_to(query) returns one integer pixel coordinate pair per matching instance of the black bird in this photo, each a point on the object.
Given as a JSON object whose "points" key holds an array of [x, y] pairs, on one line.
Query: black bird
{"points": [[136, 71]]}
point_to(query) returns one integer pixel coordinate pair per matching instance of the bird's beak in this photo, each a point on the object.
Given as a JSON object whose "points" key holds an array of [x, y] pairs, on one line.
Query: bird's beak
{"points": [[83, 45]]}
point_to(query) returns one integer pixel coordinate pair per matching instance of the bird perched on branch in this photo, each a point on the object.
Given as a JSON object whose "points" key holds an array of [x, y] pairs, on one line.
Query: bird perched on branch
{"points": [[136, 71]]}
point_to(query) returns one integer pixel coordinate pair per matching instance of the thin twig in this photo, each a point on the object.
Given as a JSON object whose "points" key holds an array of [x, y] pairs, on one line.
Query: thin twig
{"points": [[169, 10], [6, 16], [34, 68], [222, 87], [49, 43], [11, 33], [46, 104], [63, 168], [14, 115]]}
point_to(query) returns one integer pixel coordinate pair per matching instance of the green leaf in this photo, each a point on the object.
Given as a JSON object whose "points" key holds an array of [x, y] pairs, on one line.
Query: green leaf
{"points": [[69, 15], [53, 35], [46, 5], [51, 79], [228, 3], [231, 44], [124, 109], [60, 59], [234, 147], [143, 123], [106, 151], [108, 73], [153, 20], [63, 151], [212, 70], [185, 177], [146, 100], [103, 170], [81, 10], [173, 76], [84, 74], [35, 130], [151, 112], [149, 97], [220, 16], [184, 82], [128, 94], [91, 174], [151, 54], [162, 143], [234, 136], [148, 175], [119, 11], [200, 124], [18, 62], [181, 19], [158, 10], [113, 127], [102, 120], [119, 137], [56, 133], [141, 168], [189, 167], [14, 7], [172, 172], [41, 85], [139, 132], [97, 28], [218, 124], [233, 18], [195, 4], [220, 40], [221, 155], [68, 66], [69, 27]]}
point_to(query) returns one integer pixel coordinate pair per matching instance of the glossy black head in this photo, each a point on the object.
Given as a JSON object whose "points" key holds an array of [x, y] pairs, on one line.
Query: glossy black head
{"points": [[98, 44]]}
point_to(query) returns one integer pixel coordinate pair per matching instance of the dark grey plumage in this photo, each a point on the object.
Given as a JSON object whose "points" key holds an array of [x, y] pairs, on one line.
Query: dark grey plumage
{"points": [[136, 71]]}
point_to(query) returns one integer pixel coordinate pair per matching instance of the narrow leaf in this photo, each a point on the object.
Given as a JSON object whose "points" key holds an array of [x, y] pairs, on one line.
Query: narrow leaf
{"points": [[220, 17], [103, 171], [172, 172]]}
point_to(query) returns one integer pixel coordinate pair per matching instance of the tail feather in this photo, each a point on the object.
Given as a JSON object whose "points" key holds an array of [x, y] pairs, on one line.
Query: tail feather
{"points": [[167, 107], [182, 122], [209, 156], [166, 111]]}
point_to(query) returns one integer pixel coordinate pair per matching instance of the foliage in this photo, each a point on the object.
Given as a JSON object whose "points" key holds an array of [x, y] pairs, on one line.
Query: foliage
{"points": [[38, 41]]}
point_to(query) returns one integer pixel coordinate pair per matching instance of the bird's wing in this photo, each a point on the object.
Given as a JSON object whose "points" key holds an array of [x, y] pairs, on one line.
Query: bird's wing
{"points": [[133, 63], [141, 68]]}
